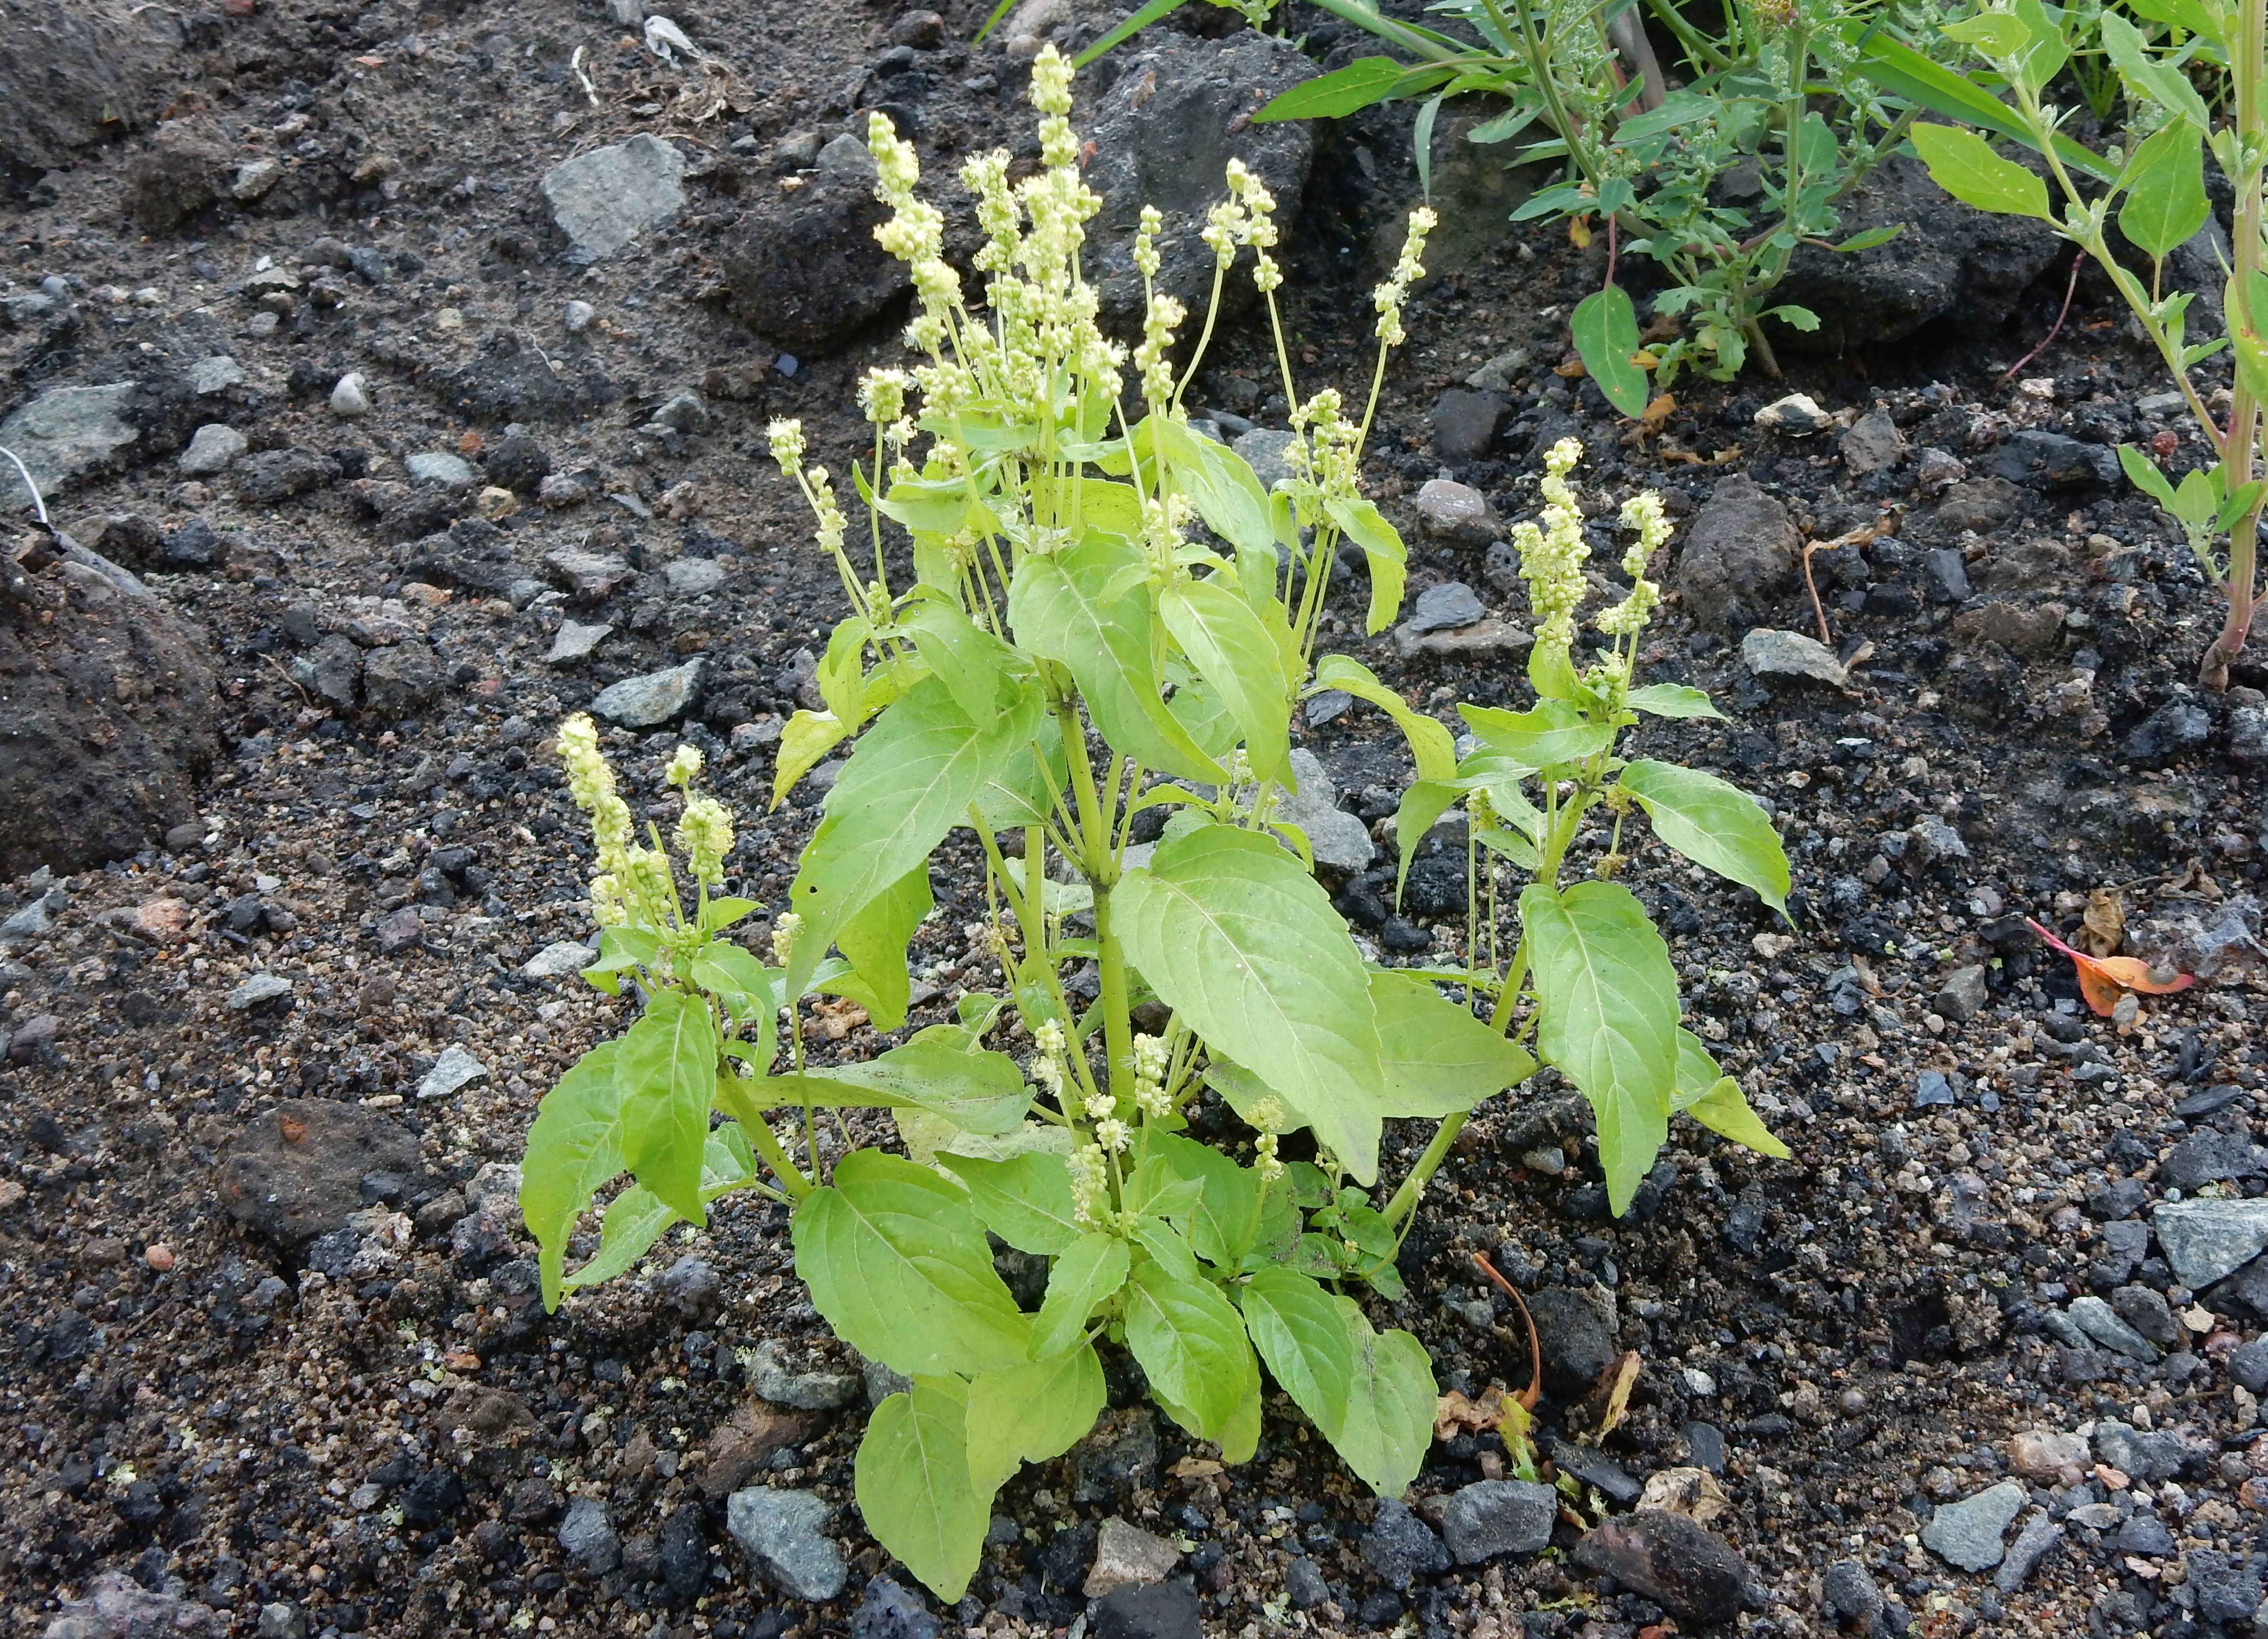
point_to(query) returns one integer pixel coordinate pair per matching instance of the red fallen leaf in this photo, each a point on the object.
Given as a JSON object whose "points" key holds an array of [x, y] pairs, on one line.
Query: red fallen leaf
{"points": [[2101, 978]]}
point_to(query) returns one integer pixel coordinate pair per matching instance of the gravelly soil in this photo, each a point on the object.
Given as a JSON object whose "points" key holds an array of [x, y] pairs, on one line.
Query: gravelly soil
{"points": [[241, 1402]]}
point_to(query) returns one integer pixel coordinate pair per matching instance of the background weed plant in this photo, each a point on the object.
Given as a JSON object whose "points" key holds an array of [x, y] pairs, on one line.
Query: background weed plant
{"points": [[2153, 182], [1074, 650]]}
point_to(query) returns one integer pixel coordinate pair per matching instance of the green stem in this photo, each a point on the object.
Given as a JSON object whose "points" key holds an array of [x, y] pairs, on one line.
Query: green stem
{"points": [[1117, 1019], [760, 1137], [1405, 1199]]}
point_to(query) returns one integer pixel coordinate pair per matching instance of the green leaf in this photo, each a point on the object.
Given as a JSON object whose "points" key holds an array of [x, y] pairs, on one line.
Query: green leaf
{"points": [[804, 743], [896, 1262], [1020, 793], [2143, 474], [1438, 1060], [1556, 732], [1093, 609], [1431, 745], [1870, 238], [1091, 1271], [1233, 934], [909, 782], [981, 672], [1671, 700], [2165, 200], [1964, 165], [1899, 68], [1298, 1329], [575, 1146], [2163, 82], [1025, 1201], [1335, 95], [1230, 648], [1421, 141], [1148, 12], [1724, 1110], [1226, 1218], [1424, 803], [1387, 1426], [873, 942], [635, 1220], [1381, 548], [978, 1091], [1190, 1344], [1605, 328], [1607, 1017], [1221, 484], [667, 1073], [914, 1487], [1551, 672], [1031, 1413], [2045, 49], [1714, 824]]}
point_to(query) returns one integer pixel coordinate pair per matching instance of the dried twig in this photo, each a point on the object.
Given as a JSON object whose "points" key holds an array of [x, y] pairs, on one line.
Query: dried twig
{"points": [[1534, 1392], [2055, 329]]}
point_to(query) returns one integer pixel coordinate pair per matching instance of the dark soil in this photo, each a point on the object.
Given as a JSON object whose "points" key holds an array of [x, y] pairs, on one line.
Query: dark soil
{"points": [[271, 1323]]}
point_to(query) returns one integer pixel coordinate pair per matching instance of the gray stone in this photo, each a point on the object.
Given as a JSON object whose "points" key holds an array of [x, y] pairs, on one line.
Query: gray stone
{"points": [[890, 1610], [116, 1606], [653, 700], [1688, 1570], [2248, 735], [881, 1382], [1268, 452], [254, 178], [2206, 1157], [258, 989], [2145, 1535], [350, 398], [333, 669], [1769, 653], [605, 200], [214, 375], [2040, 1535], [555, 961], [1157, 1610], [783, 1534], [1577, 1329], [1739, 556], [455, 1070], [1303, 1585], [1798, 415], [2144, 1454], [1872, 443], [279, 1619], [848, 155], [296, 1172], [1496, 1517], [1465, 423], [1327, 705], [1850, 1595], [574, 641], [2207, 1240], [1128, 1556], [2228, 1590], [683, 412], [1399, 1548], [31, 925], [588, 1535], [576, 317], [441, 466], [773, 1380], [2091, 1315], [1948, 573], [63, 434], [587, 574], [1963, 996], [211, 451], [2050, 460], [400, 678], [1339, 840], [1450, 511], [694, 577], [1968, 1533], [2248, 1365], [1439, 608], [1482, 640], [2178, 727]]}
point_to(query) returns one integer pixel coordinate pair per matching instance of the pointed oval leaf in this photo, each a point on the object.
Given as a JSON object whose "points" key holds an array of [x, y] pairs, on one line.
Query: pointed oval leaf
{"points": [[667, 1072], [1030, 1413], [1191, 1346], [1607, 1017], [1025, 1201], [1234, 653], [1964, 165], [1225, 1215], [914, 1487], [2165, 202], [1432, 746], [1714, 824], [1556, 732], [897, 1263], [1090, 1270], [575, 1146], [1438, 1060], [1604, 326], [1230, 933], [1671, 700], [1383, 551], [1298, 1329], [1389, 1425]]}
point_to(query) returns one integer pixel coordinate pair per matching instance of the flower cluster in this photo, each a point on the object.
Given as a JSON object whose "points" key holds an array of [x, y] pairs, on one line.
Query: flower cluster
{"points": [[1267, 1114], [1390, 298], [1649, 525], [631, 884], [1090, 1186], [1151, 1059], [787, 449], [1552, 556], [1047, 1065]]}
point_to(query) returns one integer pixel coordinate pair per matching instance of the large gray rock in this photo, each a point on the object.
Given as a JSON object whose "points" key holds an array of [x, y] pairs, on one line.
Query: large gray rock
{"points": [[805, 269], [296, 1172], [774, 1379], [1740, 556], [1968, 1533], [606, 199], [587, 1536], [1399, 1548], [1767, 652], [1163, 133], [116, 1606], [215, 445], [650, 701], [1686, 1569], [784, 1533], [64, 434], [2207, 1240], [1339, 840], [1964, 266], [1498, 1516], [107, 717]]}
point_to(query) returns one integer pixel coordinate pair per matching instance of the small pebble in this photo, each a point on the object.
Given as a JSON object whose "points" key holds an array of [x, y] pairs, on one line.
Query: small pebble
{"points": [[158, 1256]]}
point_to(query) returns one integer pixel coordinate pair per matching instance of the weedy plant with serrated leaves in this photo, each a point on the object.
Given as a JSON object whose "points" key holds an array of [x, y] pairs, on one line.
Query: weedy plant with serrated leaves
{"points": [[1070, 652], [2154, 181]]}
